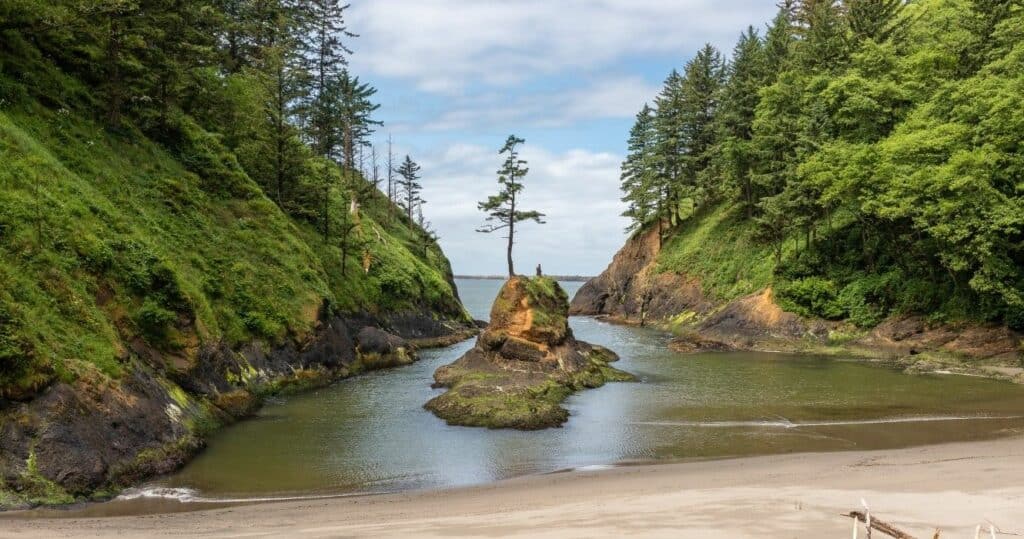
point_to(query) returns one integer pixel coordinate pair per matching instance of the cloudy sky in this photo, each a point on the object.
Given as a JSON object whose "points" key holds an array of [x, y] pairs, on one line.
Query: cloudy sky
{"points": [[456, 77]]}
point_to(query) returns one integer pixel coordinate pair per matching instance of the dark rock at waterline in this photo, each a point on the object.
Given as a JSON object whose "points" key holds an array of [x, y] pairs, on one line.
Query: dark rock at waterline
{"points": [[524, 364], [377, 348], [373, 340], [96, 434]]}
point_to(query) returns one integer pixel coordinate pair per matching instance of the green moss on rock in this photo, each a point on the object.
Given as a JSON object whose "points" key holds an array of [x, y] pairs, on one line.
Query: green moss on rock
{"points": [[524, 365]]}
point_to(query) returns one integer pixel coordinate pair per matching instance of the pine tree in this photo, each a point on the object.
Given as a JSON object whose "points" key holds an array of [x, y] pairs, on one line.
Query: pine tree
{"points": [[639, 175], [701, 87], [669, 147], [324, 53], [355, 114], [748, 73], [275, 45], [502, 210], [409, 186], [878, 20], [820, 28], [778, 41]]}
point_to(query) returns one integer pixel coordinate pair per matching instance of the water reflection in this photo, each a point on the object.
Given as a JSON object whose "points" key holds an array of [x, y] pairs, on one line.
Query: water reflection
{"points": [[372, 434]]}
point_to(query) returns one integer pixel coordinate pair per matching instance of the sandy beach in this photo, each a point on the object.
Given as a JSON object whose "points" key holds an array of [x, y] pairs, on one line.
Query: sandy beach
{"points": [[953, 487]]}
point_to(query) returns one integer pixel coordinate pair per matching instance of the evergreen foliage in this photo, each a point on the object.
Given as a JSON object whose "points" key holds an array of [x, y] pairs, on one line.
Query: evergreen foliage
{"points": [[502, 209], [870, 148], [185, 173]]}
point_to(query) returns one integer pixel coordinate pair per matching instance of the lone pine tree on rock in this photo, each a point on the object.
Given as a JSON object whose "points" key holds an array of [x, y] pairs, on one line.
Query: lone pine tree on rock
{"points": [[502, 210]]}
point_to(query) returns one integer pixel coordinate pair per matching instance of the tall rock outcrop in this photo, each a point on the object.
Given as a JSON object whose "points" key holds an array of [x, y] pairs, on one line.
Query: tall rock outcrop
{"points": [[524, 364]]}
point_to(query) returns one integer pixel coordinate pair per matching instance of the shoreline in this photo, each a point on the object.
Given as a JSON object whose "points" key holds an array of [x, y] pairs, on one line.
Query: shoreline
{"points": [[927, 362], [953, 486]]}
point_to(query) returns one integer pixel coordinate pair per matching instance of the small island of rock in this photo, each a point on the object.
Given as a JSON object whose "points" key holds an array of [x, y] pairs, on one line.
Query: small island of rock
{"points": [[524, 364]]}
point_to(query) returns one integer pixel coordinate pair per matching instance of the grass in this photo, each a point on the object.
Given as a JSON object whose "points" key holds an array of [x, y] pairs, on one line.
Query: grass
{"points": [[718, 248], [107, 236]]}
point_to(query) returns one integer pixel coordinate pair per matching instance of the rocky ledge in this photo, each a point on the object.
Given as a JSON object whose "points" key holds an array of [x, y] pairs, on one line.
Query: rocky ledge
{"points": [[88, 438], [524, 364], [634, 290]]}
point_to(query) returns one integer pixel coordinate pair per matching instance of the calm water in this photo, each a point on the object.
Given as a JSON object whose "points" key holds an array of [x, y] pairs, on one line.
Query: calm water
{"points": [[371, 433]]}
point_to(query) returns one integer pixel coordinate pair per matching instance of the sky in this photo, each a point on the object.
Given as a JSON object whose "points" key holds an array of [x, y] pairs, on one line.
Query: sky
{"points": [[456, 77]]}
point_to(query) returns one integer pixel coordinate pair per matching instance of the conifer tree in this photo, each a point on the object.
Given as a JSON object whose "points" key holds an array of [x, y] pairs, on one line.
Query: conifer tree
{"points": [[878, 20], [324, 53], [701, 87], [748, 73], [355, 114], [669, 147], [778, 41], [409, 186], [502, 209], [639, 175], [820, 28]]}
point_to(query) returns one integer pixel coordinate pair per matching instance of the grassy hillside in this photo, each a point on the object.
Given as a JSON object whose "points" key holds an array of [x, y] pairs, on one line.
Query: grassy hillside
{"points": [[863, 163], [107, 237]]}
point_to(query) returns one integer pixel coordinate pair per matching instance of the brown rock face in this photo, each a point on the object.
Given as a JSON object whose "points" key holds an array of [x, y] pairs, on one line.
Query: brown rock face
{"points": [[524, 363], [631, 290]]}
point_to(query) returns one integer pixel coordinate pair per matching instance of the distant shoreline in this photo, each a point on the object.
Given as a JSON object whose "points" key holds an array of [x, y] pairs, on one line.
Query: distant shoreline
{"points": [[567, 278]]}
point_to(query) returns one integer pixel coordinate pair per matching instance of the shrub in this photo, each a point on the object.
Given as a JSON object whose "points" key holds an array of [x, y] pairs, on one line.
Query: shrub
{"points": [[866, 299], [811, 296], [153, 318], [1014, 317], [16, 353]]}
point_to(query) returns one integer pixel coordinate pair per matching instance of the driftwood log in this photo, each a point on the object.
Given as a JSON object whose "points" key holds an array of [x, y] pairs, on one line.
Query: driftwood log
{"points": [[884, 527]]}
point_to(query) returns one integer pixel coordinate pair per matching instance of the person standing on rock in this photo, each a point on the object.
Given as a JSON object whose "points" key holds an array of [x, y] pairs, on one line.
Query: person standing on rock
{"points": [[539, 272]]}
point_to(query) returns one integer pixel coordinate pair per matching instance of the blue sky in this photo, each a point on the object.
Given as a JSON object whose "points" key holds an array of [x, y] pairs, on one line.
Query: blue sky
{"points": [[456, 77]]}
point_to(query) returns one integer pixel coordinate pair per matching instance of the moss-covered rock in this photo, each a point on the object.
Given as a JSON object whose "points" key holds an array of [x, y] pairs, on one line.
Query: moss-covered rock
{"points": [[524, 364]]}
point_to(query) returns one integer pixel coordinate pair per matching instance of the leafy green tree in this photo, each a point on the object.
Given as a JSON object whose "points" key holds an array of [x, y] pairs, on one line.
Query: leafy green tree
{"points": [[502, 210]]}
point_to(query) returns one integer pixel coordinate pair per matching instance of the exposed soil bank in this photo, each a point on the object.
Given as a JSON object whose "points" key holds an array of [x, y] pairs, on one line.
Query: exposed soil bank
{"points": [[525, 363], [632, 290], [88, 438], [803, 495]]}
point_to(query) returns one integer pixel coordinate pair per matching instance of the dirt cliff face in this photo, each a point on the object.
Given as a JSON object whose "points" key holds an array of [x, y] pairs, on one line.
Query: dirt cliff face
{"points": [[524, 364], [87, 438]]}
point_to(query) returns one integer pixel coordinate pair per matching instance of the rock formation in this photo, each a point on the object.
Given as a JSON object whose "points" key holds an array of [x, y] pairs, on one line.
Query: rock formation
{"points": [[524, 364]]}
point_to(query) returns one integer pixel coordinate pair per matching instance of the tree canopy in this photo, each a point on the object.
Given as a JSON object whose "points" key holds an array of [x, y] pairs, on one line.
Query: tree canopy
{"points": [[873, 145]]}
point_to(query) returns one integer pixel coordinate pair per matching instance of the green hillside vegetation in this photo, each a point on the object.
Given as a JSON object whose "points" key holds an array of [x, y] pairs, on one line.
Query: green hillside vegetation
{"points": [[167, 217], [864, 157]]}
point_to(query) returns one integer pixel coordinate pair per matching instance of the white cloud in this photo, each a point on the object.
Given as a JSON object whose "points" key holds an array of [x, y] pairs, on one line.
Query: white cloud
{"points": [[465, 69], [445, 46], [618, 97], [577, 190]]}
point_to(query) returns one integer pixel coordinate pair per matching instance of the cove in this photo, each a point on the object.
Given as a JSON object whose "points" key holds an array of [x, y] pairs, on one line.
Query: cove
{"points": [[371, 434]]}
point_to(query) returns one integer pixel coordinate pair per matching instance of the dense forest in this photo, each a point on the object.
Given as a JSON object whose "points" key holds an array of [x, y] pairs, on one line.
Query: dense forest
{"points": [[864, 157], [193, 172]]}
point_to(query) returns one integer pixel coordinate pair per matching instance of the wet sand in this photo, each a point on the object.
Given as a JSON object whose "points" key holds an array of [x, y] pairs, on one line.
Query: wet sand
{"points": [[953, 487]]}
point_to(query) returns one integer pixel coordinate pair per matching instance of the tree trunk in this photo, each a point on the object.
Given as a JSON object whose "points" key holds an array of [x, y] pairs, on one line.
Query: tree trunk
{"points": [[511, 232]]}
